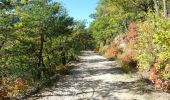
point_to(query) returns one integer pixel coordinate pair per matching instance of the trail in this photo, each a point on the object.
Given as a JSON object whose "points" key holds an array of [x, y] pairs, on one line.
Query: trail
{"points": [[96, 78]]}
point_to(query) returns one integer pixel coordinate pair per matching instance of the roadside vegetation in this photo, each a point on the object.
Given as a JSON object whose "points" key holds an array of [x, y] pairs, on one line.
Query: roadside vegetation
{"points": [[137, 33], [37, 37]]}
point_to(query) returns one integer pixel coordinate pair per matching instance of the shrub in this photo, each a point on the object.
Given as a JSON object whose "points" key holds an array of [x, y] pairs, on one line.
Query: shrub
{"points": [[128, 56], [112, 51], [152, 41], [3, 93], [153, 50]]}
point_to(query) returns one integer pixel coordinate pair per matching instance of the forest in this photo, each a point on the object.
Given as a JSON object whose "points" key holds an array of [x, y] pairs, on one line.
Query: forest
{"points": [[38, 38], [35, 37]]}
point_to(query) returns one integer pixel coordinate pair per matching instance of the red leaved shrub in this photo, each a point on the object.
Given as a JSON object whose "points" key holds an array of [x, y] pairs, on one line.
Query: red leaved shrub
{"points": [[123, 47], [132, 32], [156, 77], [129, 59], [4, 93], [112, 51], [153, 76], [129, 55], [13, 88], [18, 84]]}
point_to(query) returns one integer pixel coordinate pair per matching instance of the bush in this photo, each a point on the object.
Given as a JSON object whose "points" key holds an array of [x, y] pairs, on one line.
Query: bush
{"points": [[153, 49], [112, 51]]}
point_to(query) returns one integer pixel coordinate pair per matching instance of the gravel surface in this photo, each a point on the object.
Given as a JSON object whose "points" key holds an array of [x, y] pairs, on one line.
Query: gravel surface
{"points": [[96, 78]]}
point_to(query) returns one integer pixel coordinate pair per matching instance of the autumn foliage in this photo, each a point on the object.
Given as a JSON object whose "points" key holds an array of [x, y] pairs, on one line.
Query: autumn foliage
{"points": [[138, 36], [4, 93], [159, 71], [129, 55], [13, 89], [112, 51], [156, 74]]}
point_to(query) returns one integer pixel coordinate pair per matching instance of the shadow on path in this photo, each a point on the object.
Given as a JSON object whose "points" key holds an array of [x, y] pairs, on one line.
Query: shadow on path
{"points": [[96, 78]]}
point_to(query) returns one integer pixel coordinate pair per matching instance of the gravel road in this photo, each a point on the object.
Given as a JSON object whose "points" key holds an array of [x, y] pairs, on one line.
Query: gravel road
{"points": [[97, 78]]}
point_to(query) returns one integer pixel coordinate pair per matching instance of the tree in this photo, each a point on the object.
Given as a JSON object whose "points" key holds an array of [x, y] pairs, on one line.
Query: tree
{"points": [[37, 36], [165, 8], [113, 17], [156, 8], [27, 34]]}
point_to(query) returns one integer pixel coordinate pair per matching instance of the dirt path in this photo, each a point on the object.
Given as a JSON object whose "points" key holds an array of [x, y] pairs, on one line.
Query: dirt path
{"points": [[96, 78]]}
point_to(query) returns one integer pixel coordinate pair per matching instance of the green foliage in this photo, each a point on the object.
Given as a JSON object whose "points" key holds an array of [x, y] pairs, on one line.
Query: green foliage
{"points": [[153, 41], [36, 36], [148, 40], [113, 17]]}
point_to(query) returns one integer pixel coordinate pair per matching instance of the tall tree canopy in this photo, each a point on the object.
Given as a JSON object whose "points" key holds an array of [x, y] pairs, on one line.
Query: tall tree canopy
{"points": [[35, 37]]}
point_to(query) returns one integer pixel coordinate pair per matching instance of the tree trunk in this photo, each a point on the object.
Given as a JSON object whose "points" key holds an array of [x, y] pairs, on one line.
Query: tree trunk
{"points": [[165, 8], [40, 58], [149, 5], [1, 44], [125, 24], [156, 7], [63, 57]]}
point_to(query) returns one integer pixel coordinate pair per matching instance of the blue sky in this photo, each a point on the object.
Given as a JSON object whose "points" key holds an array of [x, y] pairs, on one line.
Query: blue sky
{"points": [[80, 9]]}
